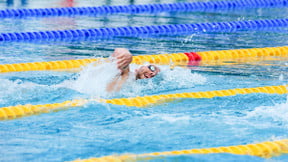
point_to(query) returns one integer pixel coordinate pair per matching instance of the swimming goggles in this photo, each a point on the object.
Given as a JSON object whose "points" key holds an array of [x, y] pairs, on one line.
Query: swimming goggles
{"points": [[152, 68]]}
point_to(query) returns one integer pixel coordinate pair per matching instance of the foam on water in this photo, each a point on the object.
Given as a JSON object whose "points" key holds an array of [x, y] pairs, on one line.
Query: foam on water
{"points": [[276, 113], [271, 118], [13, 90], [20, 92], [171, 118]]}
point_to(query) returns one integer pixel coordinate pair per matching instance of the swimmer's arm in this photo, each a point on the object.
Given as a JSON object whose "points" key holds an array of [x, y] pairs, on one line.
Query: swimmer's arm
{"points": [[124, 58], [117, 83]]}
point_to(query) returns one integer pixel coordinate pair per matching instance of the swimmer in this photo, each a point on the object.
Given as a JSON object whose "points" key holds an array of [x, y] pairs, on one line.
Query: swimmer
{"points": [[124, 59]]}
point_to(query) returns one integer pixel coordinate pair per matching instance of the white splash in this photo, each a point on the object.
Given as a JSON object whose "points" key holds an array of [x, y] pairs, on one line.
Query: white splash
{"points": [[182, 77], [18, 89], [278, 112], [93, 79], [171, 118], [281, 77], [166, 80], [187, 39]]}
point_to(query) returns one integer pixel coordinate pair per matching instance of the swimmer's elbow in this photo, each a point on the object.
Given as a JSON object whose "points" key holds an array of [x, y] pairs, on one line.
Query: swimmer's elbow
{"points": [[111, 87], [114, 86]]}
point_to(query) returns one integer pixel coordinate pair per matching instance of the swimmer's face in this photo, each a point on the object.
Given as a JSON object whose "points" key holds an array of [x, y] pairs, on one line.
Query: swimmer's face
{"points": [[148, 71]]}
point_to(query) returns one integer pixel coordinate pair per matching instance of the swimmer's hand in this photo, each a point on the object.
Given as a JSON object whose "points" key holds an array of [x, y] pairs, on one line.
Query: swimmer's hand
{"points": [[123, 57]]}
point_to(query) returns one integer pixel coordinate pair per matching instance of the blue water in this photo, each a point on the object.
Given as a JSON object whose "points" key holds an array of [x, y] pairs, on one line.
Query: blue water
{"points": [[98, 129]]}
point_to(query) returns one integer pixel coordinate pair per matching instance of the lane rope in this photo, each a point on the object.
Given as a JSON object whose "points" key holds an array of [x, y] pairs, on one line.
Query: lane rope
{"points": [[68, 35], [13, 112], [135, 9], [264, 150], [188, 58]]}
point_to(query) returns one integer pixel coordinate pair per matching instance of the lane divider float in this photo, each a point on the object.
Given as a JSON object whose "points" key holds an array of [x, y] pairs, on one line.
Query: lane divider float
{"points": [[49, 65], [264, 150], [13, 112], [68, 35], [146, 8], [188, 58]]}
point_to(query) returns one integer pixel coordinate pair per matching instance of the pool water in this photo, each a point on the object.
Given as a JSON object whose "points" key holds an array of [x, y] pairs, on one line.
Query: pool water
{"points": [[98, 129]]}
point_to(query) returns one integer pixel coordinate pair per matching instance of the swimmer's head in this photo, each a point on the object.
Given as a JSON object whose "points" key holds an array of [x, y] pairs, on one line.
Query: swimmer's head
{"points": [[147, 71]]}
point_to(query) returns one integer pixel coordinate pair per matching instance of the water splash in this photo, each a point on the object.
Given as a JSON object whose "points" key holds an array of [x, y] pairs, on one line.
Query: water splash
{"points": [[166, 80], [170, 118], [277, 113], [281, 77], [91, 82], [93, 79], [9, 88], [18, 91]]}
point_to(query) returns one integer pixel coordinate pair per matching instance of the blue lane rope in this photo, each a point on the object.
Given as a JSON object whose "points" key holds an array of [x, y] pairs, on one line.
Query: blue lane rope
{"points": [[150, 8], [144, 30]]}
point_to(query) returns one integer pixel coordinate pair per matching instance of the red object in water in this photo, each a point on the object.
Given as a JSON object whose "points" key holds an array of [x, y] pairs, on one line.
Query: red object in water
{"points": [[194, 58], [68, 3]]}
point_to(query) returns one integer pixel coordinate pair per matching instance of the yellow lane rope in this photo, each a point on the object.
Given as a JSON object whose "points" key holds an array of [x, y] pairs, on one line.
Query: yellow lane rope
{"points": [[264, 150], [13, 112], [50, 65], [148, 100], [244, 53], [75, 64], [161, 59]]}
